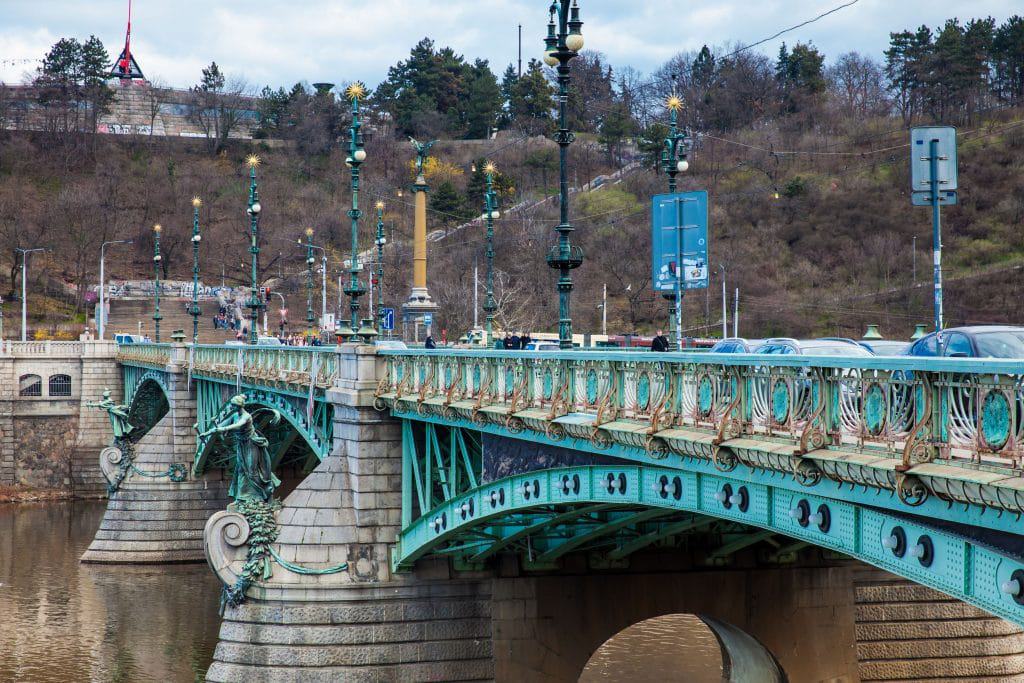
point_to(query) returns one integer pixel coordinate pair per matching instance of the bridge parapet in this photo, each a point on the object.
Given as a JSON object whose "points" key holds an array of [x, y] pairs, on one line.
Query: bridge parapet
{"points": [[916, 426], [144, 355], [272, 367]]}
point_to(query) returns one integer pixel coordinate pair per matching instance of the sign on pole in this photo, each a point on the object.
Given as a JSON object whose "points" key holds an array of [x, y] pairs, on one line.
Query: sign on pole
{"points": [[428, 319], [933, 182], [688, 212], [388, 323]]}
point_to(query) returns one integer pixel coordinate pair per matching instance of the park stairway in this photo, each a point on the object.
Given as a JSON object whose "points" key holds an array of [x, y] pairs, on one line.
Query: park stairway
{"points": [[126, 314]]}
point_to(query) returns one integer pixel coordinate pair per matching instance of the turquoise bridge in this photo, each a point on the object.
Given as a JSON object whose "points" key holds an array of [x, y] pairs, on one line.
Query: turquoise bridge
{"points": [[911, 465]]}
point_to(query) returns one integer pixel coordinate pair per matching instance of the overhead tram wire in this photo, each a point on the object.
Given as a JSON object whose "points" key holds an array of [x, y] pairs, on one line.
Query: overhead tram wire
{"points": [[689, 70]]}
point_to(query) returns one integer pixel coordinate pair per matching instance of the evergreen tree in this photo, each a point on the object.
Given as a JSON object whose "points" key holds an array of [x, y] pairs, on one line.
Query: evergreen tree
{"points": [[532, 100], [800, 75], [616, 126], [449, 205], [1008, 59], [484, 100]]}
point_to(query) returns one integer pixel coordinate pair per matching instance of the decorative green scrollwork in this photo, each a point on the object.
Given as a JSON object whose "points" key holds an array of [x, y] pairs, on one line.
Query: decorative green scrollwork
{"points": [[510, 380], [447, 376], [874, 408], [780, 401], [548, 384], [705, 395], [591, 387], [643, 391], [995, 420], [476, 378], [262, 532], [176, 472]]}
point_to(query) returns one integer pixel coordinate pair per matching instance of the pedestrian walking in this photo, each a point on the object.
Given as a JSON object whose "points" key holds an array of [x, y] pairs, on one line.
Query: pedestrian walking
{"points": [[660, 342]]}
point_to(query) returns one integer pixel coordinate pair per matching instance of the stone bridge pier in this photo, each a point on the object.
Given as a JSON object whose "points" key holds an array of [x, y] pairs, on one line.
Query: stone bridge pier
{"points": [[331, 608], [157, 511]]}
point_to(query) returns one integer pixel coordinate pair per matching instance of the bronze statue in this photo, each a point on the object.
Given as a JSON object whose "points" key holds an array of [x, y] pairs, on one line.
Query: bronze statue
{"points": [[254, 477], [422, 151], [118, 415]]}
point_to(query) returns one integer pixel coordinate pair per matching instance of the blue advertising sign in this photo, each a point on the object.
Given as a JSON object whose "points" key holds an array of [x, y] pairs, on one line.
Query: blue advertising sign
{"points": [[672, 214], [389, 319], [428, 319]]}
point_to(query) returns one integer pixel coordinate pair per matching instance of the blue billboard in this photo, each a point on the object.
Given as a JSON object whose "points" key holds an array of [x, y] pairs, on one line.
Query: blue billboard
{"points": [[673, 216]]}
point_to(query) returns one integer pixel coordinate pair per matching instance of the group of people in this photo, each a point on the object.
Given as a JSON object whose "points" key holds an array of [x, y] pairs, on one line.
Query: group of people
{"points": [[223, 321], [515, 342]]}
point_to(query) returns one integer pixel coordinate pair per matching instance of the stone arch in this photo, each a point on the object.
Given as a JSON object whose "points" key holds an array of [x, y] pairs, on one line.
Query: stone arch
{"points": [[685, 647]]}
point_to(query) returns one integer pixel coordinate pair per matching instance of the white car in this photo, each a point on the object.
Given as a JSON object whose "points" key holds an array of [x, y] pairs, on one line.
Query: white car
{"points": [[390, 345]]}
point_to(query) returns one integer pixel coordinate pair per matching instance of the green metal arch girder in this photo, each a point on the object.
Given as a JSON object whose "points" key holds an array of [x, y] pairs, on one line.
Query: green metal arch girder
{"points": [[959, 567], [318, 442], [135, 376]]}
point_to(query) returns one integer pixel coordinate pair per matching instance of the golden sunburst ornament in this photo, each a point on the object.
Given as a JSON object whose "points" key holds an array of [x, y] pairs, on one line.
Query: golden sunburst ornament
{"points": [[197, 202], [380, 205], [356, 91], [674, 103], [252, 161], [489, 167]]}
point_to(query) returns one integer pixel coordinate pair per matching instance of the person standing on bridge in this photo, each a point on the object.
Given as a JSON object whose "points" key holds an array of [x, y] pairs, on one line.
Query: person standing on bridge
{"points": [[429, 342], [660, 342]]}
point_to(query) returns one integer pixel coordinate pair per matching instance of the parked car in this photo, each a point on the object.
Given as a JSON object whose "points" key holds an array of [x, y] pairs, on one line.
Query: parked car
{"points": [[736, 345], [541, 346], [980, 341], [268, 341], [830, 346], [390, 345], [885, 347], [128, 339]]}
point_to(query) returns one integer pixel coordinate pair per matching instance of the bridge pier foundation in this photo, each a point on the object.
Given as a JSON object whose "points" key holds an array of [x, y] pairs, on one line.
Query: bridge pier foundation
{"points": [[153, 517], [359, 622]]}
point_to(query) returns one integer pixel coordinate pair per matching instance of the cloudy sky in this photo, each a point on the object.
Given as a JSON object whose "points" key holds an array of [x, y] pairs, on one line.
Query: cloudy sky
{"points": [[279, 43]]}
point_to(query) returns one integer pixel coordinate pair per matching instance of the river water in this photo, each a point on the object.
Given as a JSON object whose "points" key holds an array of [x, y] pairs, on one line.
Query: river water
{"points": [[62, 621]]}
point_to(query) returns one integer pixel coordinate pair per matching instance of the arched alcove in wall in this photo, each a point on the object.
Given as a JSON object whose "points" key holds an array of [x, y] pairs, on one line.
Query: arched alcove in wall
{"points": [[683, 648]]}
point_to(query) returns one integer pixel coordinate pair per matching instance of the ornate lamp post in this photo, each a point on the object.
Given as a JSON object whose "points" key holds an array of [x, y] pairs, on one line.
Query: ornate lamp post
{"points": [[490, 213], [677, 146], [380, 267], [310, 260], [563, 42], [356, 156], [156, 282], [255, 304], [194, 309]]}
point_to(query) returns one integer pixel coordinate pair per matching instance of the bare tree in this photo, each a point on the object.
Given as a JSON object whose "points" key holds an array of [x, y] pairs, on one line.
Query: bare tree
{"points": [[215, 106], [858, 84]]}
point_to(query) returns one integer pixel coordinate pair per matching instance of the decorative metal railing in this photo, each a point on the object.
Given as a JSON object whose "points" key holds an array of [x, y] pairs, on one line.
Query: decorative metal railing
{"points": [[281, 367], [913, 410], [150, 355]]}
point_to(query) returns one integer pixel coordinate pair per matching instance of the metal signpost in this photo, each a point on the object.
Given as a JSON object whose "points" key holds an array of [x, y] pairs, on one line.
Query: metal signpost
{"points": [[933, 181], [388, 319], [679, 242]]}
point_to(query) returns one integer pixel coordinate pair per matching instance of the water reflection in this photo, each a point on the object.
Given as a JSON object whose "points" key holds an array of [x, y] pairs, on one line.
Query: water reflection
{"points": [[675, 647], [65, 621]]}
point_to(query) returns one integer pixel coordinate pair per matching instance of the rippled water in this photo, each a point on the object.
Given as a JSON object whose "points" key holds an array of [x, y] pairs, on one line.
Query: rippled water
{"points": [[65, 621], [669, 649]]}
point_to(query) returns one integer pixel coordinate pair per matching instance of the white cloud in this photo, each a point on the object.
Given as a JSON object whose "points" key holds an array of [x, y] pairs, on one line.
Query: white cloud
{"points": [[268, 41]]}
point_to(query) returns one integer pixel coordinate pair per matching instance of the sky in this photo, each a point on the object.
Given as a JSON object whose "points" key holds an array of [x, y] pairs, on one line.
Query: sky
{"points": [[281, 43]]}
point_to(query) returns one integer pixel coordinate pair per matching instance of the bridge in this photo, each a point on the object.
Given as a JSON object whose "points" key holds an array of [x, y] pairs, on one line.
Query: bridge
{"points": [[478, 515]]}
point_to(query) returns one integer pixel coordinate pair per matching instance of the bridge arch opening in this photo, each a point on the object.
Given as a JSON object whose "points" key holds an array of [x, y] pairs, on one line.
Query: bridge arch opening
{"points": [[683, 648], [294, 453], [148, 406]]}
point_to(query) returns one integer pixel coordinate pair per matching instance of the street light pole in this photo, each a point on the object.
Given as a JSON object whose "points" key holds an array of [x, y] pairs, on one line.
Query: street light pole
{"points": [[725, 307], [194, 309], [381, 241], [356, 156], [156, 282], [674, 161], [101, 319], [604, 310], [309, 280], [562, 43], [490, 213], [254, 208], [24, 289]]}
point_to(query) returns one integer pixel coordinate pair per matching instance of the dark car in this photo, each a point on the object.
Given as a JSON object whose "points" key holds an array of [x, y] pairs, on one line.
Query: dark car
{"points": [[736, 345], [885, 347], [980, 341], [813, 347]]}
